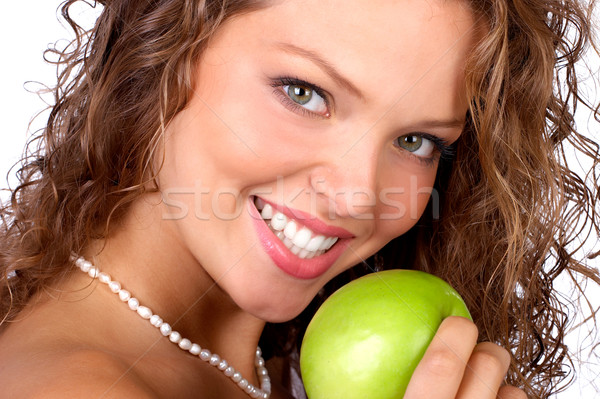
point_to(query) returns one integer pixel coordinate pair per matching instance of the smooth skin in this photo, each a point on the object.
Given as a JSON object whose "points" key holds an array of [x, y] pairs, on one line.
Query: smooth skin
{"points": [[389, 69]]}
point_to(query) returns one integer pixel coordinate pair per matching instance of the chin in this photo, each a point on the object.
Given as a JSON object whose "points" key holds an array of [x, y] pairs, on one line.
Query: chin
{"points": [[273, 308]]}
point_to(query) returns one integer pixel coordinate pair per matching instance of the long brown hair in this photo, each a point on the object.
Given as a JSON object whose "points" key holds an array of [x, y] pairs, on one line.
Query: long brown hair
{"points": [[511, 205]]}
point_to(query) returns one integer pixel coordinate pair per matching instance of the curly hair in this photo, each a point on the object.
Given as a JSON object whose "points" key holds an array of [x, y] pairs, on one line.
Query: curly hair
{"points": [[512, 207]]}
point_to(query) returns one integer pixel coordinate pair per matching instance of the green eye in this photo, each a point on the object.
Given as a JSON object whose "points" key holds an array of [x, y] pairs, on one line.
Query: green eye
{"points": [[300, 94], [301, 97], [417, 144], [410, 143]]}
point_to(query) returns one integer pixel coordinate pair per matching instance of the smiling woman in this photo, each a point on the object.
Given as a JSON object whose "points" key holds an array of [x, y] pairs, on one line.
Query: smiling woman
{"points": [[227, 164]]}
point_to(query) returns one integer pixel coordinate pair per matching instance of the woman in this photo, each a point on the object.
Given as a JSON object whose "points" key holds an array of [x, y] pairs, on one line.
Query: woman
{"points": [[189, 139]]}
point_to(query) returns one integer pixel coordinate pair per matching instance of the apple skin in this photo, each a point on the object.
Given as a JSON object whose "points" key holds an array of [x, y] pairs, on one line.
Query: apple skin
{"points": [[366, 340]]}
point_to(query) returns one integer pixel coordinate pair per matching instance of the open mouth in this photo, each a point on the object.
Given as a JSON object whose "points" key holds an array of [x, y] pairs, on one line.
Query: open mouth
{"points": [[299, 243], [299, 239]]}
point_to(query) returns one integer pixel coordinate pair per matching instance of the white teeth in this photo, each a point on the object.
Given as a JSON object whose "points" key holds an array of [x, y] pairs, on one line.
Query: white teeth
{"points": [[290, 229], [302, 237], [295, 250], [303, 254], [328, 243], [288, 243], [267, 212], [299, 242], [315, 243], [278, 221]]}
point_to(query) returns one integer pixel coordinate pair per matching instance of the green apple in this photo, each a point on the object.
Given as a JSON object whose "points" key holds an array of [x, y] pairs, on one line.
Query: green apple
{"points": [[366, 340]]}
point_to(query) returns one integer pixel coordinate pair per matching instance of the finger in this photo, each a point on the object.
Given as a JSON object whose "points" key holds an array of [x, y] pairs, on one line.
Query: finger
{"points": [[485, 372], [510, 392], [440, 372]]}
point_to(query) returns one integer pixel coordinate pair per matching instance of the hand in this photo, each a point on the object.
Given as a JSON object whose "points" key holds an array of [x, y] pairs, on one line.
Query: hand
{"points": [[456, 367]]}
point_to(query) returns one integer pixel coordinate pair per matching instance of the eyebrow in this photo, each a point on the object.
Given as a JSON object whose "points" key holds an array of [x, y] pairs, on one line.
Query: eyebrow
{"points": [[323, 64], [450, 123]]}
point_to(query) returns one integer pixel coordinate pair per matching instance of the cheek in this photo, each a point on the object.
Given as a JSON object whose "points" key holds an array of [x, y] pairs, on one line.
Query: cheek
{"points": [[402, 204], [241, 140]]}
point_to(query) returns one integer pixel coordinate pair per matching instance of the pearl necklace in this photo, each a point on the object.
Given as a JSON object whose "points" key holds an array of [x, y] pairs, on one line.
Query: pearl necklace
{"points": [[185, 344]]}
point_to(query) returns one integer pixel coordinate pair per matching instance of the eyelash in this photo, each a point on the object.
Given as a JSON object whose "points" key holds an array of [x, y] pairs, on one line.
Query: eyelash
{"points": [[443, 150], [293, 106]]}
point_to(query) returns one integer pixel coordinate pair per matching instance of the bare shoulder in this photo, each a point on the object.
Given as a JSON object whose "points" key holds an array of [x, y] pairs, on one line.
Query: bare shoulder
{"points": [[77, 374]]}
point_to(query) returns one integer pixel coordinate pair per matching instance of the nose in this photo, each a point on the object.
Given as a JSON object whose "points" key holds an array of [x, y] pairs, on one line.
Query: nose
{"points": [[347, 183]]}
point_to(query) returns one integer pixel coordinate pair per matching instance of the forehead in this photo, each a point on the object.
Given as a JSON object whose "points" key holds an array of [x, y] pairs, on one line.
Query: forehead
{"points": [[389, 48]]}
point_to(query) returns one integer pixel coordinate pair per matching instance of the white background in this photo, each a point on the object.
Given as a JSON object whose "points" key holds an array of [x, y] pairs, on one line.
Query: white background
{"points": [[28, 27]]}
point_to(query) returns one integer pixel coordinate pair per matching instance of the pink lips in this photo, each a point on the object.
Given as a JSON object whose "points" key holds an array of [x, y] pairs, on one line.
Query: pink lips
{"points": [[286, 260]]}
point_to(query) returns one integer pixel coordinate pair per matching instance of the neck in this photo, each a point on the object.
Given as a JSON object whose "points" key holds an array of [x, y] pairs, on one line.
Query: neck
{"points": [[142, 254]]}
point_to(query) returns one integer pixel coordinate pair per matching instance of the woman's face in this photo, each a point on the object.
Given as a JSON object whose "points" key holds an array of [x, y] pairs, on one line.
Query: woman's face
{"points": [[333, 114]]}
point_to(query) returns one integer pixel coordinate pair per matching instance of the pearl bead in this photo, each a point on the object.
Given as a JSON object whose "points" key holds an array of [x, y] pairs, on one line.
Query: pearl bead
{"points": [[114, 286], [185, 344], [85, 266], [236, 377], [229, 371], [93, 272], [265, 395], [205, 354], [133, 303], [165, 329], [264, 378], [155, 320], [261, 371], [266, 386], [124, 295], [104, 278], [259, 362], [254, 393], [195, 349], [243, 383], [144, 312], [214, 360], [175, 337]]}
